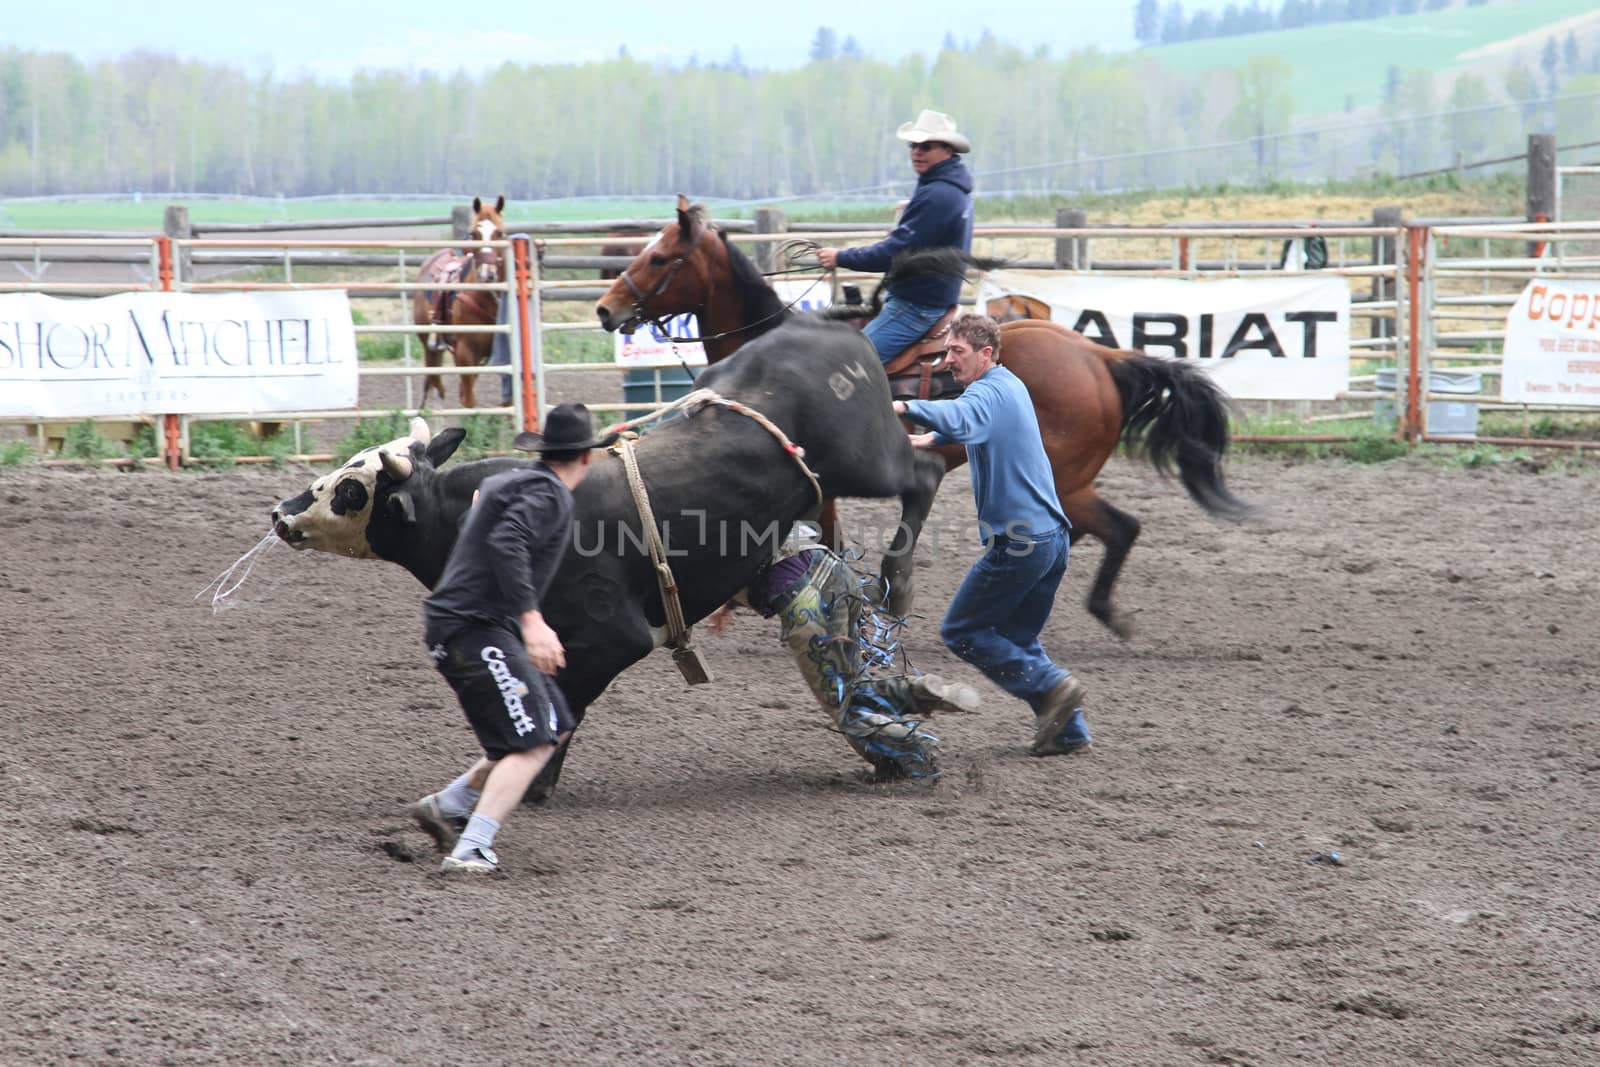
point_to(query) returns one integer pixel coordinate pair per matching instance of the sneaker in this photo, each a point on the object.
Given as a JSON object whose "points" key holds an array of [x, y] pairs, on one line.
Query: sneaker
{"points": [[929, 692], [1060, 728], [435, 823], [478, 860]]}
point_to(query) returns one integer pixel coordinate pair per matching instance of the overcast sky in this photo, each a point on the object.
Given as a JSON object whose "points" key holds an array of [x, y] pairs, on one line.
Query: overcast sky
{"points": [[334, 38]]}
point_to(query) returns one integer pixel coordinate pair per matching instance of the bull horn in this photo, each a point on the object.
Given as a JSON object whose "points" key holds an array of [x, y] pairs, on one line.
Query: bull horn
{"points": [[397, 467], [420, 431]]}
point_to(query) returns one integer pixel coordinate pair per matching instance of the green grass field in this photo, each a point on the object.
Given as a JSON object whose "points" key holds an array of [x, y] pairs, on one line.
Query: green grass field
{"points": [[145, 213], [1345, 62]]}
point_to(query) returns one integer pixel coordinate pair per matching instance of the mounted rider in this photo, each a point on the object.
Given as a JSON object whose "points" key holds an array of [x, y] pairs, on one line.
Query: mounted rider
{"points": [[939, 215]]}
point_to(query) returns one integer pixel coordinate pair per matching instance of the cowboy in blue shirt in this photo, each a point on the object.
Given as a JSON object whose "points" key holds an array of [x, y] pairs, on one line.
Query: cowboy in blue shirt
{"points": [[995, 618], [938, 216]]}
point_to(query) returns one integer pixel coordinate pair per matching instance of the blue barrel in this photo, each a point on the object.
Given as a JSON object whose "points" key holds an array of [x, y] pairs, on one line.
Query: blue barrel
{"points": [[655, 385]]}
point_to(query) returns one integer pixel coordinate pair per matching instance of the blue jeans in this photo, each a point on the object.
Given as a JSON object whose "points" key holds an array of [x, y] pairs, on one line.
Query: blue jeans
{"points": [[899, 324], [995, 618]]}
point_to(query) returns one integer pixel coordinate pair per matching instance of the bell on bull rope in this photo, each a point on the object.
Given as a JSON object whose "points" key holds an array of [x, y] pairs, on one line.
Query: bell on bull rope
{"points": [[690, 665]]}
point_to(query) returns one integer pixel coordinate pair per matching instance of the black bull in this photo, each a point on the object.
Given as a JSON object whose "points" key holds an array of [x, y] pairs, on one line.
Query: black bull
{"points": [[722, 488]]}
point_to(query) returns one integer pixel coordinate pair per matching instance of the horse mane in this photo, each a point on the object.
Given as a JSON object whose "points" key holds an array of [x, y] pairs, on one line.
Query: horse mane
{"points": [[916, 264], [759, 306]]}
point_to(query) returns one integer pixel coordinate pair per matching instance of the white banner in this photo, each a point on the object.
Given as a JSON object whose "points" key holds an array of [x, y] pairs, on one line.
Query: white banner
{"points": [[649, 347], [176, 354], [1261, 338], [1552, 350]]}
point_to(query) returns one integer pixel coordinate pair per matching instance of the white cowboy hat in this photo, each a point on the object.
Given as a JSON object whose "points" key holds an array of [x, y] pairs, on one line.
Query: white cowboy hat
{"points": [[934, 126]]}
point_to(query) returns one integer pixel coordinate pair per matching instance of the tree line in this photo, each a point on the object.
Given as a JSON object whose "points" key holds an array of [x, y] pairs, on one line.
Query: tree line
{"points": [[1154, 23], [1090, 121]]}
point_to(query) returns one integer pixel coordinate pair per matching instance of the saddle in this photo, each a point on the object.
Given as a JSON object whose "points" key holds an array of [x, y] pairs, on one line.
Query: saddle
{"points": [[447, 271], [913, 374]]}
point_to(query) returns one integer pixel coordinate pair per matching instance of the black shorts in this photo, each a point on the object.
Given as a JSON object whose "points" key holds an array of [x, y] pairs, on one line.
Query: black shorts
{"points": [[511, 705]]}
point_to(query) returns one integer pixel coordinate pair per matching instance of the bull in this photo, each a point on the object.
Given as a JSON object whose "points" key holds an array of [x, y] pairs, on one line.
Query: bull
{"points": [[722, 487]]}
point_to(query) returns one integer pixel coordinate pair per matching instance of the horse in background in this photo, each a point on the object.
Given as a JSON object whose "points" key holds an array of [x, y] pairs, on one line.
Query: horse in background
{"points": [[461, 307], [1015, 308], [630, 248], [1087, 397]]}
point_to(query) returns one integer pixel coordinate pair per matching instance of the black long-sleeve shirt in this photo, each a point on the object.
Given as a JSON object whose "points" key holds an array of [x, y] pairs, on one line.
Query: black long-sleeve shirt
{"points": [[506, 554]]}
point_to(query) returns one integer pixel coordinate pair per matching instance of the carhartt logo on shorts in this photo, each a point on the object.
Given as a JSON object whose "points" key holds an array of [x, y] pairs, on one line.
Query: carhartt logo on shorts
{"points": [[512, 689]]}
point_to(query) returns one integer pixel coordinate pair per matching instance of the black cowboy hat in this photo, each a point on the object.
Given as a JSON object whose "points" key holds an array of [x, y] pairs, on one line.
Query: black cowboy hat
{"points": [[566, 429]]}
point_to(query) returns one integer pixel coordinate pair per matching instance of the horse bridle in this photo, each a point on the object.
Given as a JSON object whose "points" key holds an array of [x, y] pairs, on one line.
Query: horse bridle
{"points": [[641, 298], [484, 254]]}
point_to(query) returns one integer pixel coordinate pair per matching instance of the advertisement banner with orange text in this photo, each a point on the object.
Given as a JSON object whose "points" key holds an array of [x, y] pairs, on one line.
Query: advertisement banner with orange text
{"points": [[1552, 350]]}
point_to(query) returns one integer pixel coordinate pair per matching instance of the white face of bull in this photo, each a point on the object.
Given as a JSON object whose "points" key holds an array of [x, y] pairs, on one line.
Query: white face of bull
{"points": [[332, 515]]}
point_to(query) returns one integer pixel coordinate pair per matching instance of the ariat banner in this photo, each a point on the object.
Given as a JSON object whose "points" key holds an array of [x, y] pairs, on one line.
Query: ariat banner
{"points": [[176, 354], [1552, 350], [1284, 338]]}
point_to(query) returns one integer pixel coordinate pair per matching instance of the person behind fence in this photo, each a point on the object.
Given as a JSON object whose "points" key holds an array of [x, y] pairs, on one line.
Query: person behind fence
{"points": [[486, 635], [995, 618], [819, 601], [938, 216]]}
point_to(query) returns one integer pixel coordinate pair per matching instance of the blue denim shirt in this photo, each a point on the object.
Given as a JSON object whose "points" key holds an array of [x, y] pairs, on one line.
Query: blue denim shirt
{"points": [[1011, 476]]}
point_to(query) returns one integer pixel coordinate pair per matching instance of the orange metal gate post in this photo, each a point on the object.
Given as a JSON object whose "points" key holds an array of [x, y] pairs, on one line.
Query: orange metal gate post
{"points": [[171, 447], [1416, 246], [530, 395]]}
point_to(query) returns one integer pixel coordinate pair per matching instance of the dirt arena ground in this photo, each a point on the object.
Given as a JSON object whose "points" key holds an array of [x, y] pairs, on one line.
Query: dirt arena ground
{"points": [[206, 859]]}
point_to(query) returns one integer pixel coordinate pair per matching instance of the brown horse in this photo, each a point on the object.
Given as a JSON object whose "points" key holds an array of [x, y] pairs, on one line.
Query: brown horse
{"points": [[1087, 397], [630, 248], [462, 307], [1015, 308]]}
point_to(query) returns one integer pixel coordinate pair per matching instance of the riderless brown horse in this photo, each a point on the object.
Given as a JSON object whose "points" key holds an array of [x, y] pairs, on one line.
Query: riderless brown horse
{"points": [[627, 248], [1016, 307], [1087, 397], [461, 307]]}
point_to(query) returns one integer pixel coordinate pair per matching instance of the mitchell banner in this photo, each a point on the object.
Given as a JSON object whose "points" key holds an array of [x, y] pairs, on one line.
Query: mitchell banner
{"points": [[176, 354], [1283, 338], [1552, 350]]}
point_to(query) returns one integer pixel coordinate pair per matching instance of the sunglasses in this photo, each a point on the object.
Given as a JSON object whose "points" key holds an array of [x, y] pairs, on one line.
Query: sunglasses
{"points": [[926, 146]]}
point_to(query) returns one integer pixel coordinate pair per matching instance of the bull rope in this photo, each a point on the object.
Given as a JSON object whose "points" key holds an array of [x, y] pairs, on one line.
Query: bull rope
{"points": [[698, 399], [677, 628]]}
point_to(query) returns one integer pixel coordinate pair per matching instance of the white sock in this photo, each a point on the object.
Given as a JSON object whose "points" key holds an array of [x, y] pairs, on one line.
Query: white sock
{"points": [[479, 833], [457, 799]]}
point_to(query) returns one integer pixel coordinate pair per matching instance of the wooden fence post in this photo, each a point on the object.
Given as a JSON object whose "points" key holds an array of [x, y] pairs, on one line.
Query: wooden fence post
{"points": [[175, 223], [1542, 206], [769, 220], [1071, 252], [461, 222], [1384, 254]]}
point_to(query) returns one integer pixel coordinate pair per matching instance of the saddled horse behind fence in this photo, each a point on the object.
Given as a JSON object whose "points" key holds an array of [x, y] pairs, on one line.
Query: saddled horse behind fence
{"points": [[461, 307]]}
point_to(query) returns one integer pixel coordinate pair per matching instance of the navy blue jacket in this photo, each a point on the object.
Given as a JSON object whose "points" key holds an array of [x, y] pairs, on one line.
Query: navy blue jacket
{"points": [[938, 216]]}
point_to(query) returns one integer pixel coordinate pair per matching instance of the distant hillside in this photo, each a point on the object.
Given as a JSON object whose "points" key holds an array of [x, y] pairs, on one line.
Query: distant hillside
{"points": [[1343, 66]]}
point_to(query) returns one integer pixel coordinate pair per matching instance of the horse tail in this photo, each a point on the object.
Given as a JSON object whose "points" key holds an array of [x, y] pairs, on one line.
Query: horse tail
{"points": [[1177, 416], [917, 264], [935, 261]]}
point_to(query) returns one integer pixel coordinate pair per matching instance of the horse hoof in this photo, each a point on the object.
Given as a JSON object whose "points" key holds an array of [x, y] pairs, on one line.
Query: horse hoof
{"points": [[1122, 626], [900, 599]]}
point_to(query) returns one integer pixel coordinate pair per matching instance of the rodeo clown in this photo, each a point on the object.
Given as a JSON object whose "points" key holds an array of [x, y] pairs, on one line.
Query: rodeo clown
{"points": [[819, 603], [489, 639]]}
